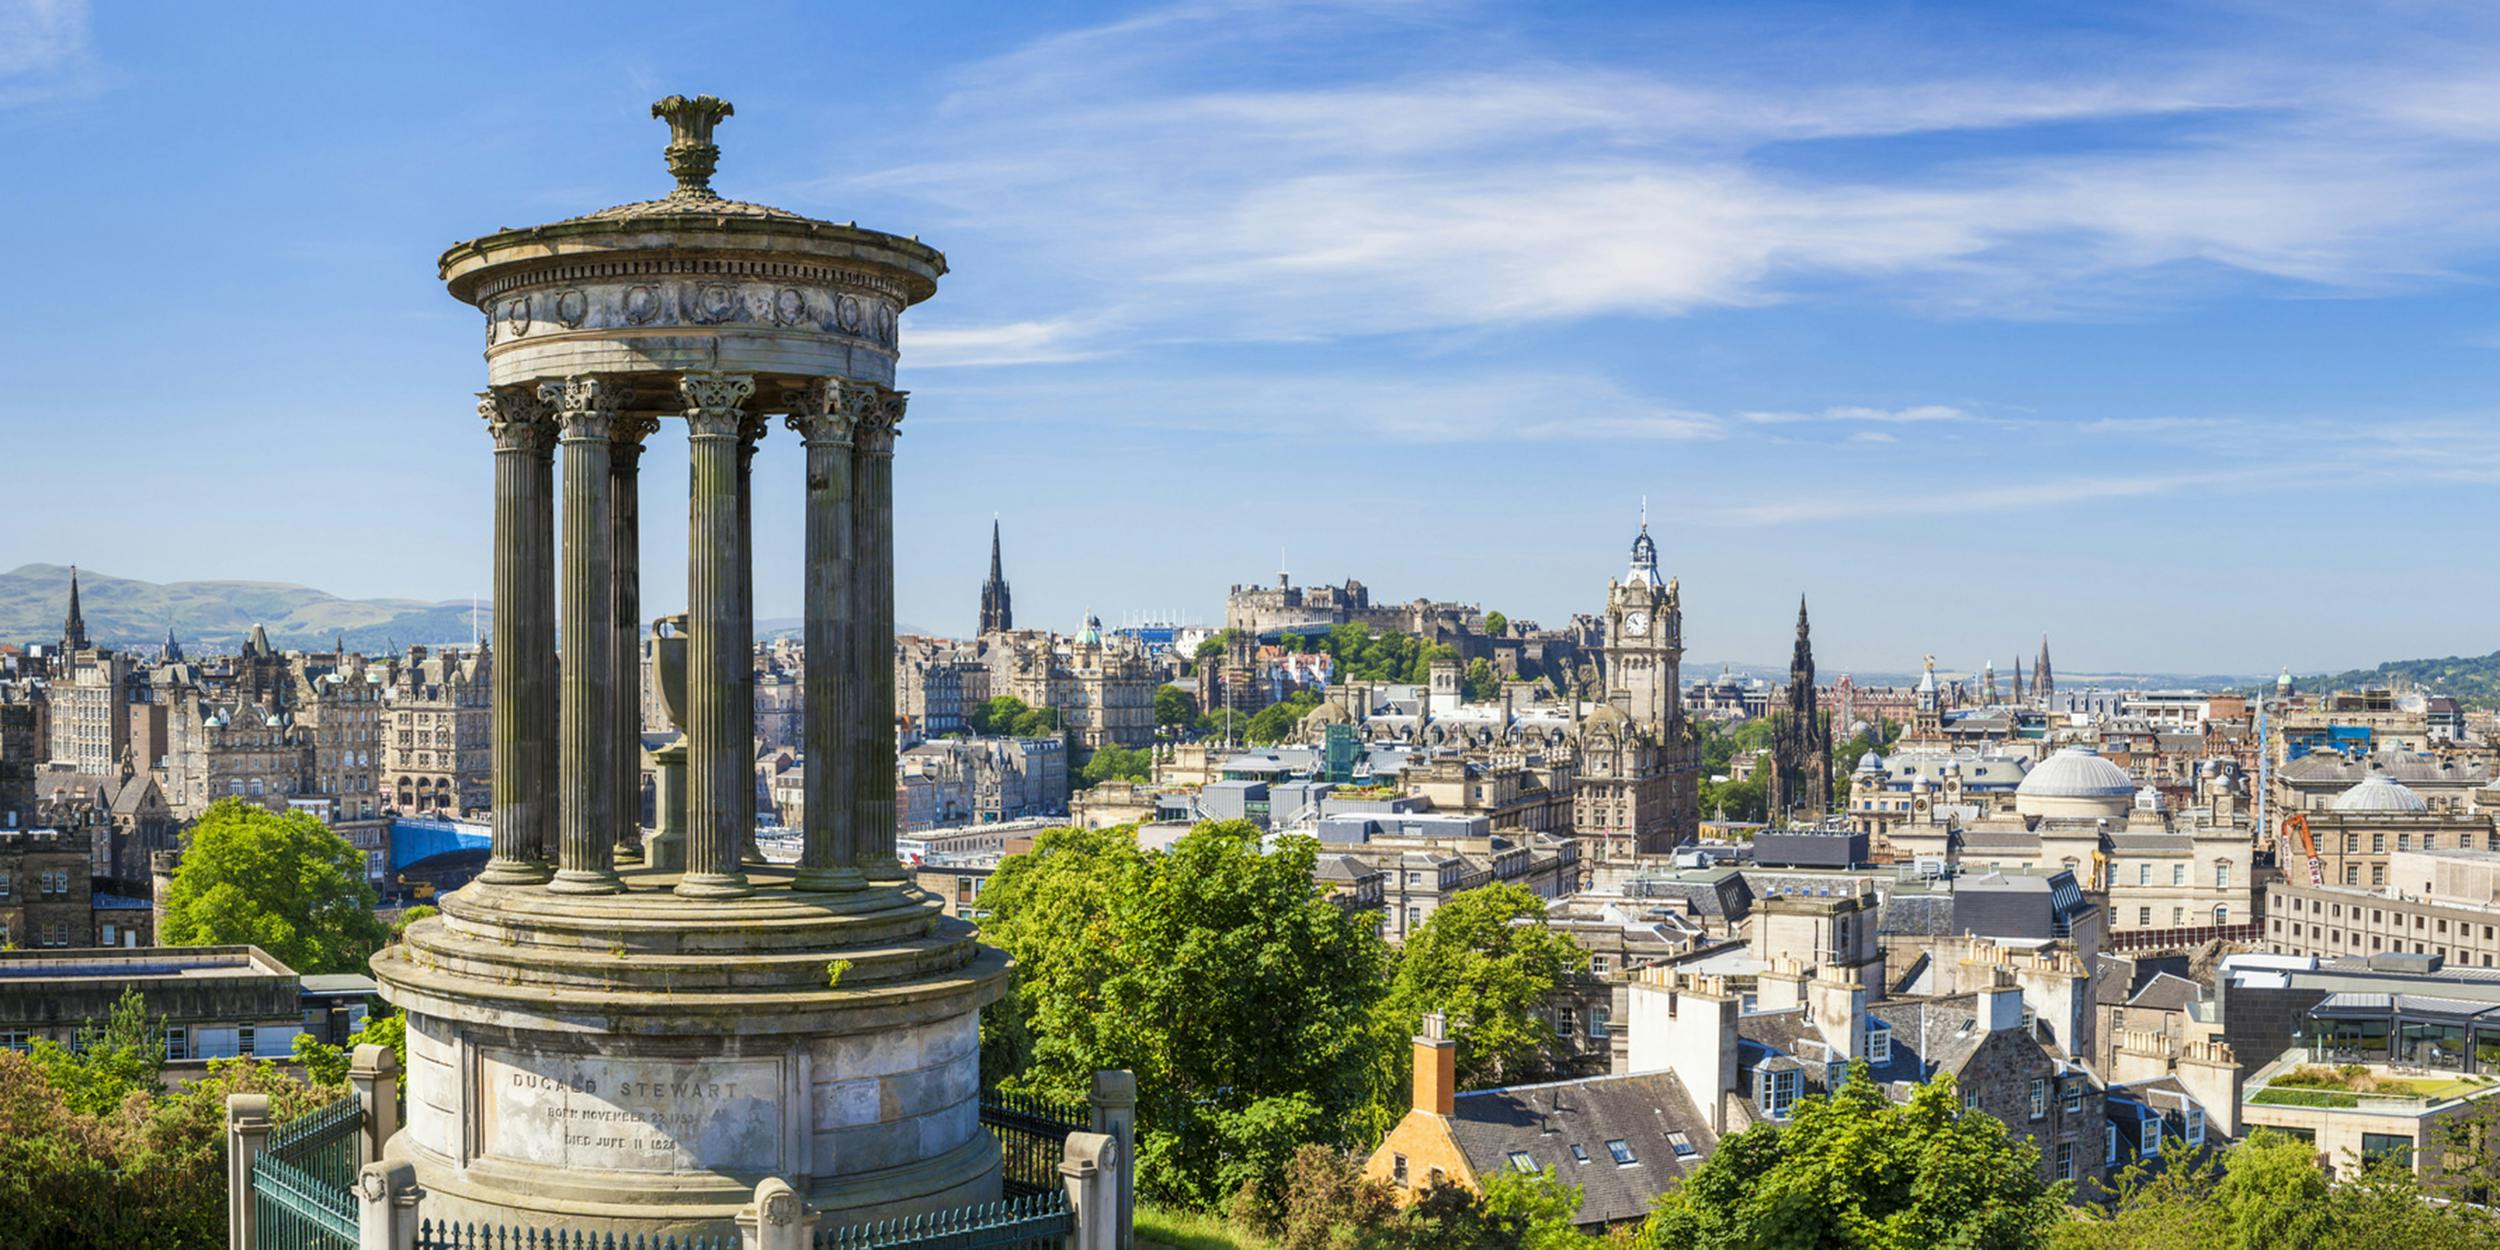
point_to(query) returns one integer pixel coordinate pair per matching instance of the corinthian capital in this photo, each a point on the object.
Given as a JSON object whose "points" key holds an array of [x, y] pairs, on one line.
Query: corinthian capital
{"points": [[514, 417], [586, 406], [631, 429], [712, 402], [878, 414], [817, 414]]}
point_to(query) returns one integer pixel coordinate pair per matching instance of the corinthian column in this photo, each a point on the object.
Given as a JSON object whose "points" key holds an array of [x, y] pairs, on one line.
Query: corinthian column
{"points": [[872, 537], [587, 415], [539, 656], [625, 488], [719, 657], [829, 852], [518, 423]]}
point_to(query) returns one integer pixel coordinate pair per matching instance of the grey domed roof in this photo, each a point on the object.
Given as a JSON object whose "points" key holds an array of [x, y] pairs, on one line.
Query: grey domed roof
{"points": [[1870, 763], [2380, 793], [2077, 773]]}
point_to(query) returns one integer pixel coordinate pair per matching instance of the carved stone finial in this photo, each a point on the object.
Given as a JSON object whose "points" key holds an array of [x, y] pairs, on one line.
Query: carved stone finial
{"points": [[692, 156]]}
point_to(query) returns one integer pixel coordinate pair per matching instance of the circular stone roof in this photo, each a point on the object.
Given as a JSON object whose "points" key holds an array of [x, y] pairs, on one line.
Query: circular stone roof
{"points": [[2076, 773], [1329, 712], [2380, 793]]}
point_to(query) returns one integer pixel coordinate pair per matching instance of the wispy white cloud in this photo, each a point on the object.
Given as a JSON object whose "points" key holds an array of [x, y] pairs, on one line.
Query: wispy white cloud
{"points": [[44, 51], [1919, 414], [1492, 181], [1051, 341]]}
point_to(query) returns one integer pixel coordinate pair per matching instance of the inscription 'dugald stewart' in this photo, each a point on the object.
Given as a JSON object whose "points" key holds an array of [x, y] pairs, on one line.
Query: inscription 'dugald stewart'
{"points": [[629, 1115]]}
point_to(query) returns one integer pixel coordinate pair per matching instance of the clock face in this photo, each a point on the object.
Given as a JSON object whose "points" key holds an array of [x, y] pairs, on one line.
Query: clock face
{"points": [[1636, 623]]}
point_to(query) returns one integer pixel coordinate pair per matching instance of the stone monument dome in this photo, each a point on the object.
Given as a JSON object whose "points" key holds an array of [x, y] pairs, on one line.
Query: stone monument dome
{"points": [[615, 1029], [2382, 794], [2075, 782]]}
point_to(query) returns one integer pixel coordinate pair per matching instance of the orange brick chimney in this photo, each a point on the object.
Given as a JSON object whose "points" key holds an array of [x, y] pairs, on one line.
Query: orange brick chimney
{"points": [[1436, 1067]]}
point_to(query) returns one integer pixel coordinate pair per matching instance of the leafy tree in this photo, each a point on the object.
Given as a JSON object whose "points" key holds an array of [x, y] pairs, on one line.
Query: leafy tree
{"points": [[1209, 647], [280, 881], [399, 927], [1858, 1170], [1224, 722], [1496, 624], [1006, 716], [1292, 644], [1327, 1203], [1174, 707], [1736, 800], [1480, 683], [325, 1064], [1487, 961], [1112, 762], [1215, 970], [1276, 722], [105, 1066]]}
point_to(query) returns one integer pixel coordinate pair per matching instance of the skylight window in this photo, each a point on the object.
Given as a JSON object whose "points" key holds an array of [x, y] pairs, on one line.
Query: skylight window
{"points": [[1622, 1151], [1520, 1162], [1578, 1155], [1683, 1144]]}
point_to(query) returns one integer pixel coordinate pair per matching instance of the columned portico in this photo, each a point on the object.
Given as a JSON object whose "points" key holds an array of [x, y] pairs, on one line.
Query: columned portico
{"points": [[825, 1015]]}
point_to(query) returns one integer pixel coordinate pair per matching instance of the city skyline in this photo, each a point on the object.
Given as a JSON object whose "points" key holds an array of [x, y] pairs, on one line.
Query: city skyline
{"points": [[2143, 336]]}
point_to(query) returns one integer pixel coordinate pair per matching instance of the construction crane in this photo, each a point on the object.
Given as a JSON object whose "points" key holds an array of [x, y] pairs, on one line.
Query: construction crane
{"points": [[2298, 822]]}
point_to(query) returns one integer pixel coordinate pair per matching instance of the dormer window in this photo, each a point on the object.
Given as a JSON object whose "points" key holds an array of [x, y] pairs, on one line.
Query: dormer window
{"points": [[2196, 1126], [1879, 1044]]}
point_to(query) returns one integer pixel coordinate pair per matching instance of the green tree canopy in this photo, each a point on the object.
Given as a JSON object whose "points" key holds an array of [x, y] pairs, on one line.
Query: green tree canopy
{"points": [[280, 881], [1276, 722], [1209, 648], [1496, 624], [1480, 683], [1486, 960], [1006, 716], [1174, 707], [107, 1064], [1857, 1171], [1215, 970], [1113, 762]]}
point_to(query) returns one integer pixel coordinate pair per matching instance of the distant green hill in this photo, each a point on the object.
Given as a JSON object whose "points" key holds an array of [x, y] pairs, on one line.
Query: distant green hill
{"points": [[2470, 679], [217, 616]]}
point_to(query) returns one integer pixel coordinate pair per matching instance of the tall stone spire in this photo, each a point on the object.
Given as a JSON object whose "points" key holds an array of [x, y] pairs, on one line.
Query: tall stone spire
{"points": [[173, 645], [2018, 679], [997, 617], [2043, 683], [1801, 740], [74, 627]]}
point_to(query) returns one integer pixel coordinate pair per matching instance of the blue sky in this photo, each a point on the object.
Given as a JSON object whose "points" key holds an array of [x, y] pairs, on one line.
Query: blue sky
{"points": [[2167, 330]]}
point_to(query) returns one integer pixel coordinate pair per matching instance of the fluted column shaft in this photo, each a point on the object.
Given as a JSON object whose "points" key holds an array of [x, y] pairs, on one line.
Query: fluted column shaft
{"points": [[625, 488], [517, 422], [750, 432], [586, 416], [872, 652], [538, 659], [829, 850], [719, 810]]}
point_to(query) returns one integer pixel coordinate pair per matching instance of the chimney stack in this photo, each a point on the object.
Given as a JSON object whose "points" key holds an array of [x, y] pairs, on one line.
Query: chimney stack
{"points": [[1436, 1067]]}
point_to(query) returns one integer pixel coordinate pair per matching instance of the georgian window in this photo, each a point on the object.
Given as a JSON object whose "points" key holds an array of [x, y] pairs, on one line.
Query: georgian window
{"points": [[1879, 1044], [2039, 1098]]}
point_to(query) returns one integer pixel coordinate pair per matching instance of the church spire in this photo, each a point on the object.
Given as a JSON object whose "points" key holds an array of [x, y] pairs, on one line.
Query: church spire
{"points": [[2043, 683], [997, 614], [74, 626], [173, 645]]}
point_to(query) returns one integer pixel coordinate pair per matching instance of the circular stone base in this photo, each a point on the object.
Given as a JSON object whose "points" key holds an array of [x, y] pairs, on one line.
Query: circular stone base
{"points": [[638, 1061]]}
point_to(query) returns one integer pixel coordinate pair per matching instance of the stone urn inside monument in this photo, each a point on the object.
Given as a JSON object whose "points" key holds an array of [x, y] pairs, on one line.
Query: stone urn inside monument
{"points": [[606, 1041]]}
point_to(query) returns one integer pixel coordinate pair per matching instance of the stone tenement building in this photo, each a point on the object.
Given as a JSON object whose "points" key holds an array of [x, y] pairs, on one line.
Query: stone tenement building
{"points": [[46, 897], [437, 744], [90, 697], [1104, 688], [937, 684], [1801, 741], [1317, 609], [981, 781]]}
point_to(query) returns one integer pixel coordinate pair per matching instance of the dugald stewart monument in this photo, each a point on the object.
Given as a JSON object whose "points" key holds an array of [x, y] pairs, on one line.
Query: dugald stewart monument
{"points": [[610, 1035]]}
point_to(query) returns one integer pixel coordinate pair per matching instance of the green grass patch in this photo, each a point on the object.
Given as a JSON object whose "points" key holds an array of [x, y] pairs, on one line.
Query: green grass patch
{"points": [[1160, 1229], [2303, 1098]]}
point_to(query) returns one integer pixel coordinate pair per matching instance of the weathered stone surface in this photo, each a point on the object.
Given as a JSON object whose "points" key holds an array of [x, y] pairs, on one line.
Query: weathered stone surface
{"points": [[636, 1046]]}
